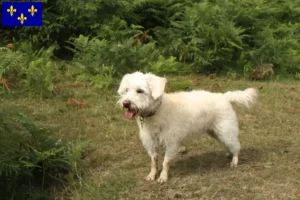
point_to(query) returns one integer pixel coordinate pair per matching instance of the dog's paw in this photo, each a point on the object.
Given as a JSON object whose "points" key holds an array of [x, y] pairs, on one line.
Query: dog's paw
{"points": [[234, 162], [229, 155], [183, 150], [150, 177], [162, 179]]}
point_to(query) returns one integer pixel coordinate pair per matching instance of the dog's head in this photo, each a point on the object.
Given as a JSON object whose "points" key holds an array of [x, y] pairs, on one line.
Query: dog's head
{"points": [[139, 93]]}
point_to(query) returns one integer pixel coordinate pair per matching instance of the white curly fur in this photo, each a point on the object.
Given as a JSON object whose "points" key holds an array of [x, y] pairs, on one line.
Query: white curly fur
{"points": [[181, 115]]}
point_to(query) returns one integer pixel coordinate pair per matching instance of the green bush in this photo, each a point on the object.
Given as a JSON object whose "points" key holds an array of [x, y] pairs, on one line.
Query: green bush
{"points": [[164, 66], [96, 59], [208, 36], [179, 85], [32, 70], [30, 155]]}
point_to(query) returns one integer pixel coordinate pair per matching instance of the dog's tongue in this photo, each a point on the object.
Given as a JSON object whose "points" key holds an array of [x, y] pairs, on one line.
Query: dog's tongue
{"points": [[129, 114]]}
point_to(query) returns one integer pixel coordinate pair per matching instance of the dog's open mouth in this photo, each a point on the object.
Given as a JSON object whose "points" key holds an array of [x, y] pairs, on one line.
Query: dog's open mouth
{"points": [[130, 113]]}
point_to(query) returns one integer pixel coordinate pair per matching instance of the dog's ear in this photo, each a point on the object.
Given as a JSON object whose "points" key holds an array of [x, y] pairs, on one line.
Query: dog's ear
{"points": [[156, 84], [121, 87]]}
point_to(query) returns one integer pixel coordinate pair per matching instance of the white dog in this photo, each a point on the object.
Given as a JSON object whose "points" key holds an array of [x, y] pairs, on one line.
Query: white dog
{"points": [[168, 119]]}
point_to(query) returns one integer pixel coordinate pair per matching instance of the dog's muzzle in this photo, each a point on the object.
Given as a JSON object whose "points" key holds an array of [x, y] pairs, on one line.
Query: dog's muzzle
{"points": [[126, 104], [131, 111]]}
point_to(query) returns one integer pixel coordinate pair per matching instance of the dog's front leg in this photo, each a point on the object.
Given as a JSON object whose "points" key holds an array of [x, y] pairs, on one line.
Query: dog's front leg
{"points": [[153, 171], [150, 145], [171, 152]]}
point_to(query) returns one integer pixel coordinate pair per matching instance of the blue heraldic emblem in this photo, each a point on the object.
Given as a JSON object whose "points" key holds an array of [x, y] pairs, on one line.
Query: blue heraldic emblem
{"points": [[22, 14]]}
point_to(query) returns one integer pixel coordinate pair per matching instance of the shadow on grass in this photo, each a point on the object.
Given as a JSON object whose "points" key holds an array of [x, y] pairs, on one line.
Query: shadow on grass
{"points": [[211, 161]]}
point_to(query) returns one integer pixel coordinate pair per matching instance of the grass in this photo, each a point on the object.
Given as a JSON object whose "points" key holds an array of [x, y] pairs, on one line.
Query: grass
{"points": [[116, 163]]}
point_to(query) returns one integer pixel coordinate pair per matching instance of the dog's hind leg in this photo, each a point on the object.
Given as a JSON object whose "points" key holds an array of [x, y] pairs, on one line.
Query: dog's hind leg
{"points": [[227, 133], [234, 149], [212, 134]]}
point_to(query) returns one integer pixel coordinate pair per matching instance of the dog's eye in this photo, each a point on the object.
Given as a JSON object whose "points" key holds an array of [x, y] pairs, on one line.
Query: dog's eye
{"points": [[140, 91], [126, 90]]}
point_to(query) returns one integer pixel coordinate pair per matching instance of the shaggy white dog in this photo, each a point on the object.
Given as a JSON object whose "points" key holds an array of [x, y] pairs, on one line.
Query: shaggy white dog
{"points": [[169, 119]]}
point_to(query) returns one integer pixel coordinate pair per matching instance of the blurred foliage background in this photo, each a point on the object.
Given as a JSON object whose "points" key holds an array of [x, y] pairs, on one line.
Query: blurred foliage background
{"points": [[99, 40]]}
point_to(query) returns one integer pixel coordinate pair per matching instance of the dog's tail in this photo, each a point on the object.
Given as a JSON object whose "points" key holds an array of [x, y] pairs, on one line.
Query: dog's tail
{"points": [[245, 98]]}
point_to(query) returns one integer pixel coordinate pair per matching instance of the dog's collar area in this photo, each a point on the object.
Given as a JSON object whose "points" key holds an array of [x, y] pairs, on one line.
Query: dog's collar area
{"points": [[150, 114], [142, 117]]}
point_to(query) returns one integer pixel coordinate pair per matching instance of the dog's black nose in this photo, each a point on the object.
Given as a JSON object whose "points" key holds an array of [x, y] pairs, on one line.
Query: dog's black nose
{"points": [[126, 104]]}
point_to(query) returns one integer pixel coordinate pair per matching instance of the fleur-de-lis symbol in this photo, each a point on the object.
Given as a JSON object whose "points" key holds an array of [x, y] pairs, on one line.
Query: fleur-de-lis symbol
{"points": [[32, 10], [22, 18], [11, 10]]}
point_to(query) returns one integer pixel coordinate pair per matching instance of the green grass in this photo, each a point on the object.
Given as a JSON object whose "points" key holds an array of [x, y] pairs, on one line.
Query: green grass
{"points": [[116, 163]]}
